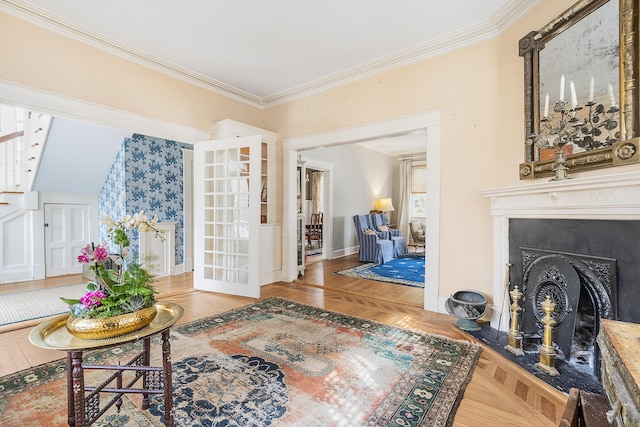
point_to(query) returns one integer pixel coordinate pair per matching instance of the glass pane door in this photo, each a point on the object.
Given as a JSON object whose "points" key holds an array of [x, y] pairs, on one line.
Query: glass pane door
{"points": [[227, 201]]}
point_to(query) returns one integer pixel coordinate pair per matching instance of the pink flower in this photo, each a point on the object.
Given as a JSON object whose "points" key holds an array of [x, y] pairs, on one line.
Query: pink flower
{"points": [[90, 254], [92, 299], [100, 253]]}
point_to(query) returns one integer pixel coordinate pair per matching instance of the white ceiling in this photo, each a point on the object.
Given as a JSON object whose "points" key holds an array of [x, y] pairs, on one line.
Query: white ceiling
{"points": [[77, 156], [267, 52], [264, 52]]}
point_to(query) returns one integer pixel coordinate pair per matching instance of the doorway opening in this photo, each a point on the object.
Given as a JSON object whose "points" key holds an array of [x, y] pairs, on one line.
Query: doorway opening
{"points": [[314, 212], [426, 123]]}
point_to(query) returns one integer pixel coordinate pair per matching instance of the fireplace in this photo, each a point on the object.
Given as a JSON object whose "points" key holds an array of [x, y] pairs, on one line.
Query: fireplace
{"points": [[590, 270], [577, 240]]}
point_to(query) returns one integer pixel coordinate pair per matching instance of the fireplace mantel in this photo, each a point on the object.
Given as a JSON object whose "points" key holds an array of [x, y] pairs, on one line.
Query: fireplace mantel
{"points": [[617, 194], [613, 197]]}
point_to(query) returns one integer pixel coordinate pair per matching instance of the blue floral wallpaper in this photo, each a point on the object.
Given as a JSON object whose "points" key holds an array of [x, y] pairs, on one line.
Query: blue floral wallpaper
{"points": [[110, 201], [148, 172]]}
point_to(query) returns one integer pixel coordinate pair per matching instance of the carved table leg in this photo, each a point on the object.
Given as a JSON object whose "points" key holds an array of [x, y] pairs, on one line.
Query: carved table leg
{"points": [[166, 373], [146, 361], [77, 376], [71, 415]]}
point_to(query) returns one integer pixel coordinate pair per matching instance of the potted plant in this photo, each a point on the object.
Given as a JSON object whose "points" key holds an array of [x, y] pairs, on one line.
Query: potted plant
{"points": [[121, 298]]}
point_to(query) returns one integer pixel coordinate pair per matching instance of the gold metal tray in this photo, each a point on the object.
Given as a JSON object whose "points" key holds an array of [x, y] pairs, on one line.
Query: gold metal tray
{"points": [[53, 333]]}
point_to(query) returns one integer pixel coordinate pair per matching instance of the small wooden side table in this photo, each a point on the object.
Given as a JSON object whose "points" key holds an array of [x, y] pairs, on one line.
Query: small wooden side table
{"points": [[83, 400]]}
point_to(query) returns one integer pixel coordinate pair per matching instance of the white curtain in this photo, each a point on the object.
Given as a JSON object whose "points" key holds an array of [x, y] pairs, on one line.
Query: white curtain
{"points": [[317, 184], [404, 210]]}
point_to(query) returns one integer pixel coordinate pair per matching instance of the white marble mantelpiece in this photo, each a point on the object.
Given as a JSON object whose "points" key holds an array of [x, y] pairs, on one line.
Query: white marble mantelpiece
{"points": [[611, 197]]}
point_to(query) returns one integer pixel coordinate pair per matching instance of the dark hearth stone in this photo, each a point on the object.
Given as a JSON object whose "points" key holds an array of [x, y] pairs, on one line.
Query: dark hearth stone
{"points": [[571, 375]]}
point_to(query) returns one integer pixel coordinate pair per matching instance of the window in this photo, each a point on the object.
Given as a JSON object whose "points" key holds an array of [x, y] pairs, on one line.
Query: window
{"points": [[419, 191]]}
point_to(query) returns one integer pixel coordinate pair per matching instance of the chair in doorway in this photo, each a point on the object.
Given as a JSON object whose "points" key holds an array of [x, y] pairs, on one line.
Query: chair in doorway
{"points": [[417, 234], [380, 224], [314, 232], [372, 247]]}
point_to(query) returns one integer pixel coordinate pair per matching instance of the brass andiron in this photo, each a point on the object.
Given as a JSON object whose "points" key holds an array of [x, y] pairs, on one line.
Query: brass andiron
{"points": [[515, 336], [547, 353]]}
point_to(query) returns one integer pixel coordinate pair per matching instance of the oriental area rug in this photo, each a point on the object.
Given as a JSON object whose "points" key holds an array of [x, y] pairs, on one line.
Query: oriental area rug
{"points": [[275, 363], [407, 270]]}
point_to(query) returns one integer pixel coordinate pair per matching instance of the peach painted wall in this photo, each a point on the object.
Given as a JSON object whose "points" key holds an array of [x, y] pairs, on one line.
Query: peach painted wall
{"points": [[44, 60], [464, 85], [479, 90], [481, 93]]}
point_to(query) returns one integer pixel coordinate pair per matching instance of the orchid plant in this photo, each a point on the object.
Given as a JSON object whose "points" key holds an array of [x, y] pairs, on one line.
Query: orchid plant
{"points": [[125, 289]]}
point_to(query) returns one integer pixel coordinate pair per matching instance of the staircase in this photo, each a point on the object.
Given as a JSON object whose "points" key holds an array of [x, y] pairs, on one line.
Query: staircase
{"points": [[23, 134]]}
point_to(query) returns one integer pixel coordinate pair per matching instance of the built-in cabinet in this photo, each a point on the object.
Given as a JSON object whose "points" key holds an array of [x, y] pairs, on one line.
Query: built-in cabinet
{"points": [[270, 231], [232, 129]]}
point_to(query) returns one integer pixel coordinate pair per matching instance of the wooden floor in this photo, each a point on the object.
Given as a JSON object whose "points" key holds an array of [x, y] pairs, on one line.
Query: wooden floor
{"points": [[499, 393]]}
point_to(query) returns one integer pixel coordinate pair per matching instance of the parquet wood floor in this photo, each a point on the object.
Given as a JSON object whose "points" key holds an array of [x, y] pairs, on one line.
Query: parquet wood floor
{"points": [[499, 393]]}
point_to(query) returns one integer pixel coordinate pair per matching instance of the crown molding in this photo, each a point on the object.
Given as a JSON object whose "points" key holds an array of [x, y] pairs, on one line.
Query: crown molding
{"points": [[506, 16], [77, 32], [452, 41], [512, 12]]}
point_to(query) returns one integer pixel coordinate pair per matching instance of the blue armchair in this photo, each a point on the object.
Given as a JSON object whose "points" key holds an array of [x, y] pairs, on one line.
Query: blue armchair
{"points": [[380, 224], [372, 247]]}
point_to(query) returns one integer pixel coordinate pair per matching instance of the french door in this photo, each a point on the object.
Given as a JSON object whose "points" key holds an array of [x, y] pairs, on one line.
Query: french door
{"points": [[227, 198], [66, 232]]}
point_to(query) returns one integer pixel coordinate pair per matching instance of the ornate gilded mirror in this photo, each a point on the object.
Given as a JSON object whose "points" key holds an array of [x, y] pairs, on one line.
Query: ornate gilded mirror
{"points": [[581, 90]]}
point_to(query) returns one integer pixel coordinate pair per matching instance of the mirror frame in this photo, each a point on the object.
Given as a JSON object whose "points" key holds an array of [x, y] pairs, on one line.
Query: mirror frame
{"points": [[622, 152]]}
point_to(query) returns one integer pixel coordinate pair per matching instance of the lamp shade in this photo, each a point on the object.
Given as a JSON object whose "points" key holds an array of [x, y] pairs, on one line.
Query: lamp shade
{"points": [[384, 205]]}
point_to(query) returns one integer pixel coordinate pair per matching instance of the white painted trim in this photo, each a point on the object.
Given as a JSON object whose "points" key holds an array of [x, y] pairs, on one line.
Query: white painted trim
{"points": [[18, 271], [429, 121], [167, 248], [364, 132], [187, 250], [58, 105], [270, 253], [327, 232], [344, 252], [289, 215], [432, 246]]}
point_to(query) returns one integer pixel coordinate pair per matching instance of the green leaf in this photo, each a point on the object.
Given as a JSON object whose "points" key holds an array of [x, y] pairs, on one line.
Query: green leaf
{"points": [[70, 301]]}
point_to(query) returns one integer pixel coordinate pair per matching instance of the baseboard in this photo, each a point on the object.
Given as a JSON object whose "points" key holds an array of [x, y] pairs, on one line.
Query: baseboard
{"points": [[16, 276], [442, 304], [39, 272], [178, 269], [344, 252], [267, 277]]}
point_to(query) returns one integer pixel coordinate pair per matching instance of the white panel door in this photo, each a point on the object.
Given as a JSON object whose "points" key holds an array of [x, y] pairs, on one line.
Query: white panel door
{"points": [[66, 232], [227, 199]]}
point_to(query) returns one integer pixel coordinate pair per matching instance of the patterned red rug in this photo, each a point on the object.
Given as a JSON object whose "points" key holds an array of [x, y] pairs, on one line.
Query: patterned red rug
{"points": [[276, 362]]}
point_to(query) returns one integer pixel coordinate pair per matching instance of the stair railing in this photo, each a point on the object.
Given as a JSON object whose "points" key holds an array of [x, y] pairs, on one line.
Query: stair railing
{"points": [[21, 149], [11, 161]]}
